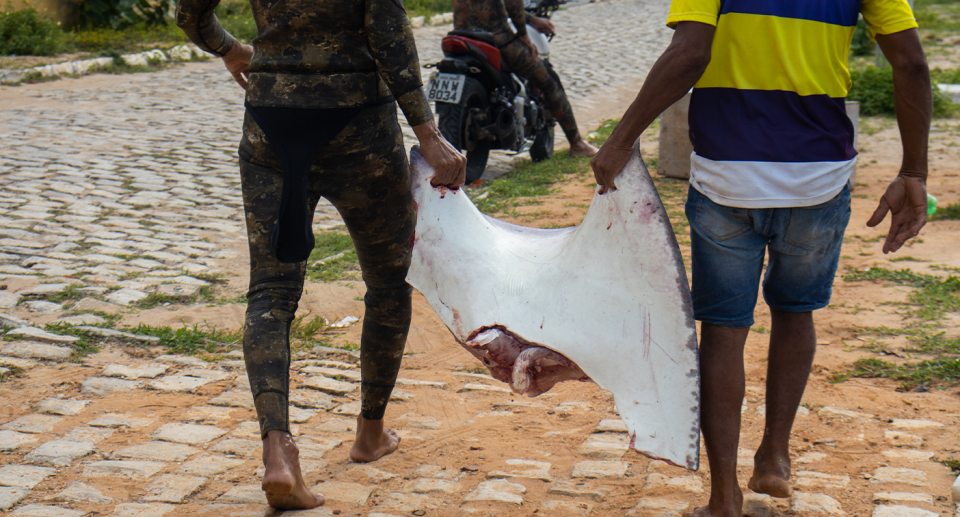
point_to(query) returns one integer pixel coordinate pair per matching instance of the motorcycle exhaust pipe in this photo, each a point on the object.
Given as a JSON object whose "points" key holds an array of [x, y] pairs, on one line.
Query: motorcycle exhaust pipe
{"points": [[506, 128]]}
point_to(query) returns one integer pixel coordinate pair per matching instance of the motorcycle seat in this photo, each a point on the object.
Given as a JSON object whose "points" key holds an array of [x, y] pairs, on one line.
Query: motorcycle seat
{"points": [[483, 36], [491, 52]]}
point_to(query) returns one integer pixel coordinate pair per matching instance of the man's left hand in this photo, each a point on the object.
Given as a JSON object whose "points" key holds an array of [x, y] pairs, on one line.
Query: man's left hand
{"points": [[906, 200], [608, 162], [543, 25]]}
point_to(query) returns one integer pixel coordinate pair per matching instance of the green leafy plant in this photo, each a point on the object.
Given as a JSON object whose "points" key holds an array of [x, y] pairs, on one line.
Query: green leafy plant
{"points": [[946, 213], [27, 32], [120, 14], [873, 88], [427, 7], [237, 19], [862, 44]]}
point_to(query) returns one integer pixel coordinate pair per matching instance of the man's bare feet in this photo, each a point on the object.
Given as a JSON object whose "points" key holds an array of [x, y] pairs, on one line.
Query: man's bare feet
{"points": [[582, 148], [771, 475], [373, 441], [731, 508], [283, 481]]}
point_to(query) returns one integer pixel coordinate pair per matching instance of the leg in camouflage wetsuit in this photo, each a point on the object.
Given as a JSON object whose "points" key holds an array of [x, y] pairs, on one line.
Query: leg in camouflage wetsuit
{"points": [[522, 62], [364, 173]]}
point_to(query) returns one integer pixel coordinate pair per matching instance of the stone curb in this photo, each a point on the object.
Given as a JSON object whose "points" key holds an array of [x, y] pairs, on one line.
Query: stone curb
{"points": [[178, 53], [437, 19]]}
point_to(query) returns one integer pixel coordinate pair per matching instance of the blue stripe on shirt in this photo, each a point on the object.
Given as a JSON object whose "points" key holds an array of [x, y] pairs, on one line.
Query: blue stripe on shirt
{"points": [[835, 12], [727, 124]]}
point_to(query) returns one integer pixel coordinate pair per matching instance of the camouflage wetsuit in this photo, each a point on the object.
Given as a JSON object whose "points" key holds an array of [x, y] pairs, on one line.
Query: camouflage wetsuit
{"points": [[492, 16], [313, 58]]}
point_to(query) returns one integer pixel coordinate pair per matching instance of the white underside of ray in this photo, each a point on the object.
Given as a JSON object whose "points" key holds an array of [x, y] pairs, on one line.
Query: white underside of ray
{"points": [[610, 294]]}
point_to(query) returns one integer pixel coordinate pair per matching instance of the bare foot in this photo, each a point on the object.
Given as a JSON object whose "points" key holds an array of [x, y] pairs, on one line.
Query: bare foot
{"points": [[283, 481], [582, 148], [732, 506], [373, 441], [771, 476], [770, 484]]}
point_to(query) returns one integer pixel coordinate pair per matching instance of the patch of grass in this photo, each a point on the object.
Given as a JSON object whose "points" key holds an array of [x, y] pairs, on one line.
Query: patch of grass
{"points": [[942, 370], [71, 293], [87, 342], [478, 369], [529, 181], [349, 346], [12, 373], [338, 256], [949, 212], [953, 465], [934, 296], [306, 330], [427, 7], [203, 295], [130, 39], [908, 258], [191, 340], [213, 278]]}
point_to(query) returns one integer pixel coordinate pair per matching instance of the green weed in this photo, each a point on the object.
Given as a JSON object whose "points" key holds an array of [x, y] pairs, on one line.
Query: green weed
{"points": [[12, 372], [338, 256], [191, 340], [942, 370], [949, 212], [933, 297], [203, 295]]}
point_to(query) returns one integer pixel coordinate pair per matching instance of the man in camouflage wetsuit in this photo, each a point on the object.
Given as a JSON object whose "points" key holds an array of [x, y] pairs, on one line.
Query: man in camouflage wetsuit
{"points": [[314, 59], [520, 55]]}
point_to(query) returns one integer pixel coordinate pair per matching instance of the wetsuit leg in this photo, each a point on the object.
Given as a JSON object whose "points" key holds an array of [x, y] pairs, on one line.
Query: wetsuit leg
{"points": [[523, 63], [364, 173], [275, 287], [366, 176]]}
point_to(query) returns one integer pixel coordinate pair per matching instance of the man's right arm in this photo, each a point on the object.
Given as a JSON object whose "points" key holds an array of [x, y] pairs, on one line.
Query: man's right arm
{"points": [[197, 20], [670, 78], [906, 197]]}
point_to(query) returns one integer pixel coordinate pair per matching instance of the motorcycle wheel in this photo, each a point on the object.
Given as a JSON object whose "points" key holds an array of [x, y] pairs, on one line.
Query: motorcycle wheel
{"points": [[542, 148], [453, 126]]}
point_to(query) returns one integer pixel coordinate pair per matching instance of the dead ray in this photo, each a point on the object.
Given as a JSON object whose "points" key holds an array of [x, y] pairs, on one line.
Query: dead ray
{"points": [[609, 295]]}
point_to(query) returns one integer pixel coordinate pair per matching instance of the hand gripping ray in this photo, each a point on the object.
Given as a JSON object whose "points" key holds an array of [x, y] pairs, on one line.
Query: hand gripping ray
{"points": [[607, 300]]}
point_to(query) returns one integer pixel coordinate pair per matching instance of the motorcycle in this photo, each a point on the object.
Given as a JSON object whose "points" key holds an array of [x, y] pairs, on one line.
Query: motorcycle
{"points": [[482, 105]]}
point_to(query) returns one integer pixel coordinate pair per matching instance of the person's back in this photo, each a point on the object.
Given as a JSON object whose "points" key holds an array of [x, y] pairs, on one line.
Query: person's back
{"points": [[769, 109], [321, 54], [483, 15]]}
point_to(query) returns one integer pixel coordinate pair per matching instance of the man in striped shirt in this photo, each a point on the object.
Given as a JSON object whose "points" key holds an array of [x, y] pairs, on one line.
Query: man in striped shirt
{"points": [[773, 154]]}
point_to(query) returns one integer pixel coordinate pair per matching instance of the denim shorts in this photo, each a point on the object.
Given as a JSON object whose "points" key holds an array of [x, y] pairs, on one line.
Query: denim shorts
{"points": [[728, 245]]}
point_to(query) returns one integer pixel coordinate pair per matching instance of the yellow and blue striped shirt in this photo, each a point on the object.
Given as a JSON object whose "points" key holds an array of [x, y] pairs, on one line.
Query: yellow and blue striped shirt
{"points": [[767, 119]]}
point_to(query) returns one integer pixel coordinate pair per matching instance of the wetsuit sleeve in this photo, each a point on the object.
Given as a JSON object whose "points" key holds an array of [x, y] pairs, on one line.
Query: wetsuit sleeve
{"points": [[391, 42], [198, 21], [517, 15]]}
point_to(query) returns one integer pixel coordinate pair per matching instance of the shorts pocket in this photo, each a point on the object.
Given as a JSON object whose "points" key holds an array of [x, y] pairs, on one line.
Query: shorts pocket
{"points": [[718, 222], [813, 227]]}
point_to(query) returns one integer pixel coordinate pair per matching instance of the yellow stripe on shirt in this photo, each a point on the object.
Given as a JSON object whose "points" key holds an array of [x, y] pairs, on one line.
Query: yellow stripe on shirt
{"points": [[756, 52]]}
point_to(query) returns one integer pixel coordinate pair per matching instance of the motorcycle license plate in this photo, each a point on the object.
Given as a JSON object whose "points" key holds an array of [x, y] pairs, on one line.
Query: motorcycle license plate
{"points": [[445, 87]]}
